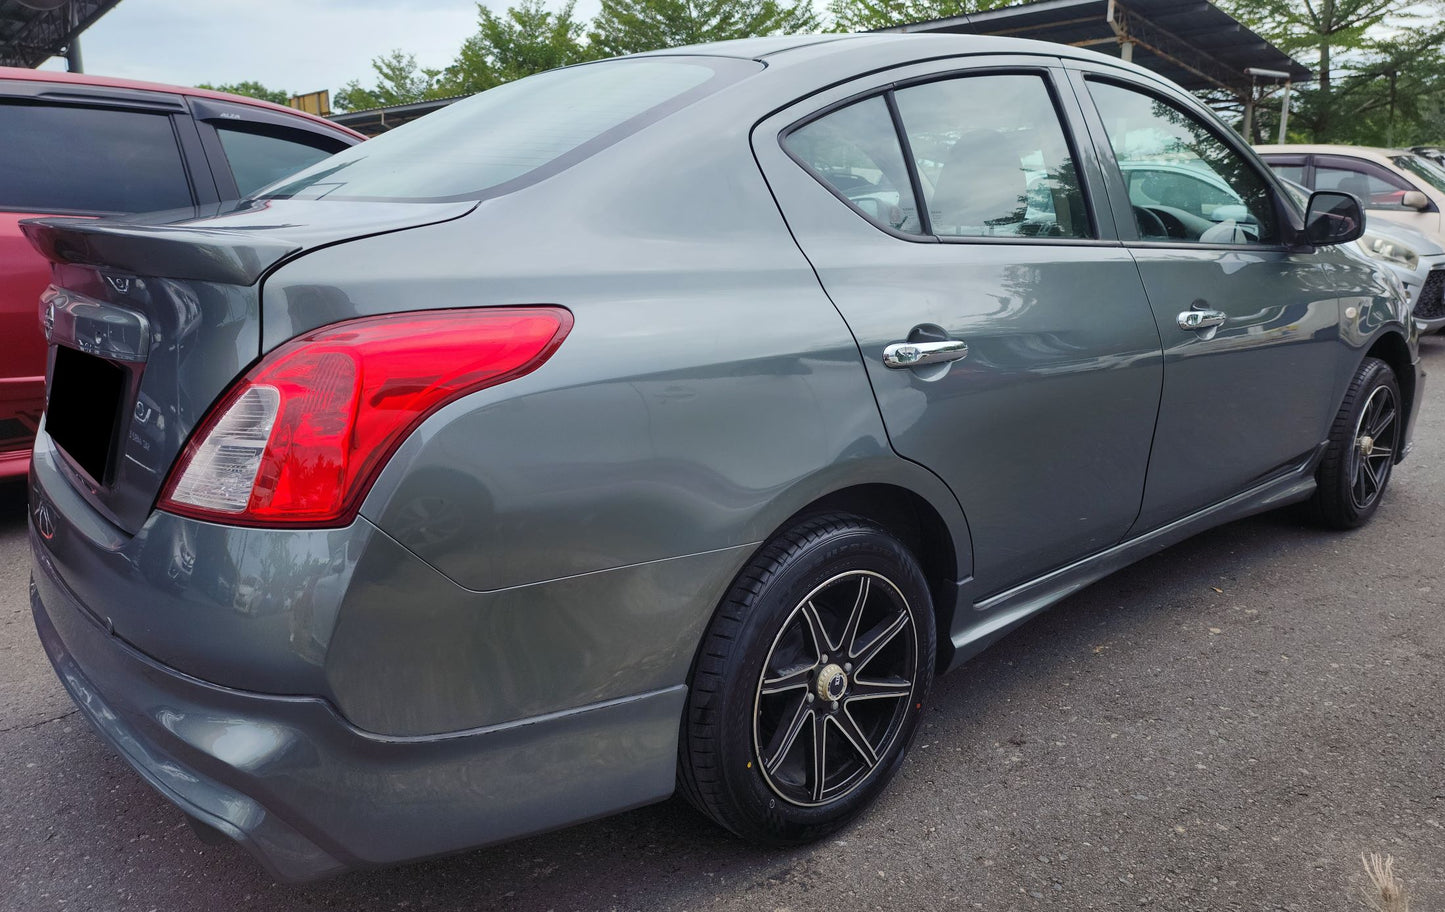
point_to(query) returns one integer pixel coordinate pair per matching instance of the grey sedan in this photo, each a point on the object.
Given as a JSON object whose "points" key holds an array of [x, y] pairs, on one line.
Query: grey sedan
{"points": [[668, 423]]}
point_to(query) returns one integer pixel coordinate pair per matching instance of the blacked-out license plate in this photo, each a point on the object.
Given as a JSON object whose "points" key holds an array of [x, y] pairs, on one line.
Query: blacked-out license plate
{"points": [[83, 410]]}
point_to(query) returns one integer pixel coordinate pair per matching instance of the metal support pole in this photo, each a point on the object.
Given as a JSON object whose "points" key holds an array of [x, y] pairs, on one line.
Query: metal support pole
{"points": [[73, 62], [1126, 51], [1284, 113], [1249, 113]]}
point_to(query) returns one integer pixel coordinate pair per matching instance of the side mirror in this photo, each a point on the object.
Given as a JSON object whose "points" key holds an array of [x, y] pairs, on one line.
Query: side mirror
{"points": [[1414, 199], [1333, 218]]}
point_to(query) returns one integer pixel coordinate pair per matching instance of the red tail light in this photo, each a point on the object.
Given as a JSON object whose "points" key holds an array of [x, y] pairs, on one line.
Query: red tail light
{"points": [[299, 440]]}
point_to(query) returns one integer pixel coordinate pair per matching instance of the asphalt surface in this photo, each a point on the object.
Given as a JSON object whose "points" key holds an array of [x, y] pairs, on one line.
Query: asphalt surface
{"points": [[1226, 725]]}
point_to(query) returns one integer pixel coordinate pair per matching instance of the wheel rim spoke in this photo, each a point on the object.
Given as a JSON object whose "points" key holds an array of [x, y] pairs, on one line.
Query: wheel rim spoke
{"points": [[892, 689], [790, 680], [820, 757], [789, 737], [814, 623], [854, 736], [870, 652], [1383, 421], [849, 640]]}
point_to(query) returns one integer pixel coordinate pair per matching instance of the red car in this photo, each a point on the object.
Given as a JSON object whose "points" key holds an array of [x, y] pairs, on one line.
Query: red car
{"points": [[88, 146]]}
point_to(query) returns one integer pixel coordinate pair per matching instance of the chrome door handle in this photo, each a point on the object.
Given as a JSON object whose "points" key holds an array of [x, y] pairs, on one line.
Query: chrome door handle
{"points": [[901, 355], [1202, 319]]}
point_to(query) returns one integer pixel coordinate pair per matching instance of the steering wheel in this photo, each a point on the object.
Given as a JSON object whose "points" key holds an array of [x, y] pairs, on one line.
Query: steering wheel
{"points": [[1150, 225]]}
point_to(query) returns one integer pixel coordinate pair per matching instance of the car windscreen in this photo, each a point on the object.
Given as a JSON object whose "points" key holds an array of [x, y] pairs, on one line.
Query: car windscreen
{"points": [[1424, 169], [514, 134]]}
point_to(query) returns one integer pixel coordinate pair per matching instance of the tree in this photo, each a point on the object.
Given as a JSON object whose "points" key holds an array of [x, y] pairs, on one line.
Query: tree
{"points": [[250, 90], [866, 15], [399, 81], [632, 26], [1327, 34], [526, 39]]}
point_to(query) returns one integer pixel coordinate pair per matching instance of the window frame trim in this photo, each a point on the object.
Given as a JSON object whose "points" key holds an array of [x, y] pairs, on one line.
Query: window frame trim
{"points": [[1048, 69]]}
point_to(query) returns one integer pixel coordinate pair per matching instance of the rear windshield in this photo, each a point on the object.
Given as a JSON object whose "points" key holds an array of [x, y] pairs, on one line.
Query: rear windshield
{"points": [[515, 134], [1422, 168]]}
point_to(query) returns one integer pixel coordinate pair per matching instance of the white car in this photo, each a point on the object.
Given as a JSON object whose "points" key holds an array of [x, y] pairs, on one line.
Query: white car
{"points": [[1395, 185]]}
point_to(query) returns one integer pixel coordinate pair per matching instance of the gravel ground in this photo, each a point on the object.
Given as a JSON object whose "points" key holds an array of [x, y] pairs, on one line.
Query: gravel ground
{"points": [[1227, 725]]}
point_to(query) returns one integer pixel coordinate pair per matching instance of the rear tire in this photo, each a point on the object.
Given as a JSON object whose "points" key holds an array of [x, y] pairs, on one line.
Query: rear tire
{"points": [[1363, 446], [826, 638]]}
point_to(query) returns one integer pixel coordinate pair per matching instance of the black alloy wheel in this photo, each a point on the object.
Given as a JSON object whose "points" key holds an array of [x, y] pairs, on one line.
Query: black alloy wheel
{"points": [[809, 684], [1364, 444]]}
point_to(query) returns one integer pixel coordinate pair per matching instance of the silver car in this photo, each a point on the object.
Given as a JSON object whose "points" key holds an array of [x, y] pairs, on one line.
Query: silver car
{"points": [[1417, 260], [668, 423]]}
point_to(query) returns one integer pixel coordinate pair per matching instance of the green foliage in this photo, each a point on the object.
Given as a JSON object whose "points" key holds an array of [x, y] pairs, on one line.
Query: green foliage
{"points": [[399, 81], [1380, 64], [631, 26], [1379, 69], [526, 39], [250, 90], [866, 15]]}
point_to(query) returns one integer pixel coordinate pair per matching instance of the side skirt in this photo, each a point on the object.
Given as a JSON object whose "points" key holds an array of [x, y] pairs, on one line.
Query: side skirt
{"points": [[977, 625]]}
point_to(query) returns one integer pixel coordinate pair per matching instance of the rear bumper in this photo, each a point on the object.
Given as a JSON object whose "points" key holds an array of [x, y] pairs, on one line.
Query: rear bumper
{"points": [[309, 795]]}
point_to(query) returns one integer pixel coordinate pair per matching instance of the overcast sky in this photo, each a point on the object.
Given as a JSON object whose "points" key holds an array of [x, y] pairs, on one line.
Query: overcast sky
{"points": [[296, 45]]}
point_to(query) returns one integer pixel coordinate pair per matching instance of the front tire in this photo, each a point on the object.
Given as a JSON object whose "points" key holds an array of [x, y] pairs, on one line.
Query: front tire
{"points": [[809, 683], [1363, 446]]}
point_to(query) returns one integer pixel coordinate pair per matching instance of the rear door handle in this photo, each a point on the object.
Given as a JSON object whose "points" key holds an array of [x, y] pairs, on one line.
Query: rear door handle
{"points": [[1202, 319], [901, 355]]}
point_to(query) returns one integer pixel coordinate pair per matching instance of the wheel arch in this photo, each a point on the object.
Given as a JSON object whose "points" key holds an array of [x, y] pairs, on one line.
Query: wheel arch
{"points": [[1392, 348], [915, 522], [923, 514]]}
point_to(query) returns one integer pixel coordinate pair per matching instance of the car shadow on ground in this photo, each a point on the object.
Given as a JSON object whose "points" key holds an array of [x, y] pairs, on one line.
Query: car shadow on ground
{"points": [[12, 505]]}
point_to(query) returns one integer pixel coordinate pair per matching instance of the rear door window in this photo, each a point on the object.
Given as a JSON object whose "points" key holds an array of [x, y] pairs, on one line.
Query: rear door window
{"points": [[69, 158], [260, 157], [992, 158]]}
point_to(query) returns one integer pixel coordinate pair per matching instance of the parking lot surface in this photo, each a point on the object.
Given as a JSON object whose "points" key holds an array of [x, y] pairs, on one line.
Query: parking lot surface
{"points": [[1227, 725]]}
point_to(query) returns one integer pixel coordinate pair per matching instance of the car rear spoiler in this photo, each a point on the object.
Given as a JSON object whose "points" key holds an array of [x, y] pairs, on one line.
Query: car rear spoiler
{"points": [[174, 251]]}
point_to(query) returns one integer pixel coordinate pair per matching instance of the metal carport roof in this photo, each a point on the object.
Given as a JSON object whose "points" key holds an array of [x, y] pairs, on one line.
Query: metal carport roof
{"points": [[1192, 42], [33, 31]]}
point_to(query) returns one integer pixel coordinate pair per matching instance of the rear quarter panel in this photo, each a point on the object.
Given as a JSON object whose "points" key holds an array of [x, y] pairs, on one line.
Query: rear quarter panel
{"points": [[590, 516]]}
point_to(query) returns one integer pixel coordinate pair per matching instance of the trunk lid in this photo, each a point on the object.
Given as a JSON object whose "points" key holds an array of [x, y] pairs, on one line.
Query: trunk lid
{"points": [[149, 319]]}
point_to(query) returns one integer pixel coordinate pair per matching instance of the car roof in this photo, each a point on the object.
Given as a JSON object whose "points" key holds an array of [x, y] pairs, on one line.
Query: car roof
{"points": [[8, 74], [887, 49]]}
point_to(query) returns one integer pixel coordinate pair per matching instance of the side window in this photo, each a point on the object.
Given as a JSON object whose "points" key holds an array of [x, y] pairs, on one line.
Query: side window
{"points": [[1226, 202], [992, 158], [260, 158], [855, 151], [65, 158], [1374, 190], [1294, 173]]}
